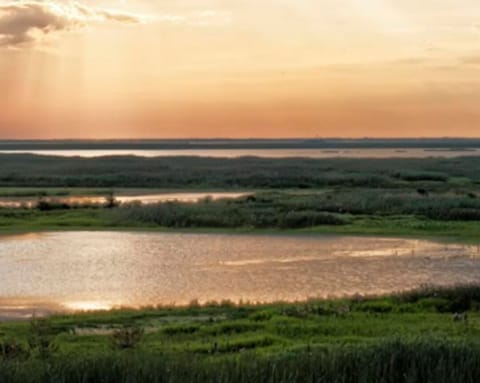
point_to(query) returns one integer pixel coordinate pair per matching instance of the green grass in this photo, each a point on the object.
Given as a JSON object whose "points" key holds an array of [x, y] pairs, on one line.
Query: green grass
{"points": [[25, 170], [405, 226], [17, 221], [21, 192], [24, 220], [410, 337]]}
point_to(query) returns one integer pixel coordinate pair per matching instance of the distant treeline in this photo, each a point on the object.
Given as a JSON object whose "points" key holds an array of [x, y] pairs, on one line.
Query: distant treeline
{"points": [[25, 170], [300, 143]]}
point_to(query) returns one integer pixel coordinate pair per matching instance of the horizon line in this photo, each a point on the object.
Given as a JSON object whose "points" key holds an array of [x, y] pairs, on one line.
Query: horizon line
{"points": [[366, 138]]}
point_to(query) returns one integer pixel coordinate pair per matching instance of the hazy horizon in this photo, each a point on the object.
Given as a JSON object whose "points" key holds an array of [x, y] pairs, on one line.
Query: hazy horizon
{"points": [[243, 139]]}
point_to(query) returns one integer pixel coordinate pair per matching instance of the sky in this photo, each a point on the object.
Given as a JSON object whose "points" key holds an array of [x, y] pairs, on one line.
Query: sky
{"points": [[239, 68]]}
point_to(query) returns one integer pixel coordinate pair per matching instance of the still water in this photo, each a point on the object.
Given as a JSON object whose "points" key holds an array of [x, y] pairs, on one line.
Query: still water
{"points": [[143, 199], [100, 270], [266, 153]]}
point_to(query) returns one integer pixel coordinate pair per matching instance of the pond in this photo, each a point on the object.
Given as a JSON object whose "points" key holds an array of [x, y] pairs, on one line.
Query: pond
{"points": [[61, 271]]}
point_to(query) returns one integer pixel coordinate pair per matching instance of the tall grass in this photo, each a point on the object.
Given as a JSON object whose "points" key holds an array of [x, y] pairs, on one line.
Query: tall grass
{"points": [[285, 210], [432, 361], [406, 338], [193, 172]]}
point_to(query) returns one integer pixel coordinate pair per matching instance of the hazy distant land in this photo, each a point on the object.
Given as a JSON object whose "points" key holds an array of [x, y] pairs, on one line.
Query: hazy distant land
{"points": [[222, 143]]}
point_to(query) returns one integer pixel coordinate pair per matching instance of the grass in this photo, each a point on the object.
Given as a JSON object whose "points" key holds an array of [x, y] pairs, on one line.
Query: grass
{"points": [[94, 219], [410, 337], [21, 192], [405, 226], [25, 170]]}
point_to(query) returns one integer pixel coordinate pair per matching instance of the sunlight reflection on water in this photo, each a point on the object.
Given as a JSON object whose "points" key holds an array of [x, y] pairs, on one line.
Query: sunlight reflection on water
{"points": [[263, 153], [101, 270]]}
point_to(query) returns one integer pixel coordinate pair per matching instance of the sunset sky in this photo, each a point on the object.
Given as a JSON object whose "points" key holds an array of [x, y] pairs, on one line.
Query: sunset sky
{"points": [[239, 68]]}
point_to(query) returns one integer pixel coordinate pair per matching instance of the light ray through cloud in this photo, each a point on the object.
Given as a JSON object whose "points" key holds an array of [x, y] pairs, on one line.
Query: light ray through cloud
{"points": [[239, 68], [23, 22]]}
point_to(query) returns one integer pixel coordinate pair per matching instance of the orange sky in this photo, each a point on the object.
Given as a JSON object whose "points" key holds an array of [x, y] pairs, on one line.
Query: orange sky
{"points": [[239, 68]]}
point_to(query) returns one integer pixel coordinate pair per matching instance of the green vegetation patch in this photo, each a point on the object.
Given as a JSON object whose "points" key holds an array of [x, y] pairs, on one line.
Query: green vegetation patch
{"points": [[430, 335]]}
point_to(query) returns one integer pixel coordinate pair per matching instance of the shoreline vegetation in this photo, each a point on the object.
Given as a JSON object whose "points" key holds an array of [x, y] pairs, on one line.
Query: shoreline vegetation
{"points": [[357, 211], [427, 335], [224, 143], [402, 227]]}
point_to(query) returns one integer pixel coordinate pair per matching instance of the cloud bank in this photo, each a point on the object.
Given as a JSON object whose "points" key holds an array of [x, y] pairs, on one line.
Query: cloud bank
{"points": [[27, 21]]}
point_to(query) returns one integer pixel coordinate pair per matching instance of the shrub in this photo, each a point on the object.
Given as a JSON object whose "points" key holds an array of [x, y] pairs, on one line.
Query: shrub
{"points": [[376, 307], [12, 350], [127, 337], [441, 305], [421, 176], [301, 219], [181, 329], [41, 340]]}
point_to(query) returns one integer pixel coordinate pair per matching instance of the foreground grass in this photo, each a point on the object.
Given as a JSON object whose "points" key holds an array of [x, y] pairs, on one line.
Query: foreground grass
{"points": [[414, 337]]}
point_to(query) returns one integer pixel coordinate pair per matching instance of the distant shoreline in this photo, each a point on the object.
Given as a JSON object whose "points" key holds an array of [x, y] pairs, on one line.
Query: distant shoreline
{"points": [[298, 143]]}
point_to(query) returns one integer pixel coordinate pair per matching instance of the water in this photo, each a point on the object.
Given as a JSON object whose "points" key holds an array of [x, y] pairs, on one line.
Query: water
{"points": [[144, 199], [266, 153], [100, 270]]}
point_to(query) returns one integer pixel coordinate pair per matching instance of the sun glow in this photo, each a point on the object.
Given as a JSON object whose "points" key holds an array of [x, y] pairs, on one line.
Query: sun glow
{"points": [[89, 305], [110, 69]]}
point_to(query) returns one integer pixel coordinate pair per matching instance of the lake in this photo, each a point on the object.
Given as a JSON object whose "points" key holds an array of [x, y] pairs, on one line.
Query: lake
{"points": [[63, 271], [265, 153]]}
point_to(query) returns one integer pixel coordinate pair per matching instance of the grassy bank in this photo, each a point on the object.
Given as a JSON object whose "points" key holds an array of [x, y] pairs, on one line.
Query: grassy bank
{"points": [[425, 336], [402, 226], [400, 212]]}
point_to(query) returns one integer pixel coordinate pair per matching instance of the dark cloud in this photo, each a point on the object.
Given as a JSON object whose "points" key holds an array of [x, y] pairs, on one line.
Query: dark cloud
{"points": [[24, 22]]}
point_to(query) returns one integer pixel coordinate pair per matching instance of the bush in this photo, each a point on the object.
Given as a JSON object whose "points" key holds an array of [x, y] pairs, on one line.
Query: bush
{"points": [[180, 329], [12, 350], [45, 205], [41, 340], [301, 219], [376, 307], [421, 176], [127, 337], [440, 305]]}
